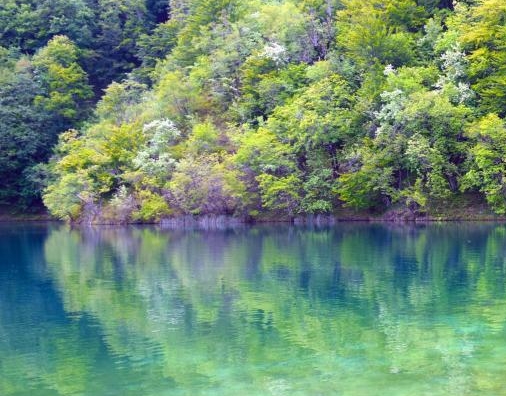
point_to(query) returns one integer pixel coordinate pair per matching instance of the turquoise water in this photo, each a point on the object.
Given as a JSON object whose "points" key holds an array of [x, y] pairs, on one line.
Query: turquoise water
{"points": [[355, 309]]}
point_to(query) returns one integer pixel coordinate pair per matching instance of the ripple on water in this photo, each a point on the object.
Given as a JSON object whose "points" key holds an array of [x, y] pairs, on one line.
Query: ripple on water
{"points": [[355, 309]]}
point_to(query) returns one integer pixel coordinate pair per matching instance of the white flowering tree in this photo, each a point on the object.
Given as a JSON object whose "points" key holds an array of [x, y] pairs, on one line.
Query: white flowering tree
{"points": [[154, 158]]}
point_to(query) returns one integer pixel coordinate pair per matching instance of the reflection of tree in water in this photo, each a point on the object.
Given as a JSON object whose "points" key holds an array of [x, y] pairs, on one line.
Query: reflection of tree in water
{"points": [[58, 364], [191, 286], [287, 308]]}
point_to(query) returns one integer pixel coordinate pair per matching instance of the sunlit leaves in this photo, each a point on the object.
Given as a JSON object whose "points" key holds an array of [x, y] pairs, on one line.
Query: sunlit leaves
{"points": [[379, 31], [484, 35], [488, 168], [64, 81]]}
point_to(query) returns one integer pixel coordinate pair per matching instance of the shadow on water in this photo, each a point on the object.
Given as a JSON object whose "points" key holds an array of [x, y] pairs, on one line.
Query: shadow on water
{"points": [[350, 309]]}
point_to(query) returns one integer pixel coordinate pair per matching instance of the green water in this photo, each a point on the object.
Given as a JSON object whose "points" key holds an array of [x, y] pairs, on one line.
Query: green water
{"points": [[355, 309]]}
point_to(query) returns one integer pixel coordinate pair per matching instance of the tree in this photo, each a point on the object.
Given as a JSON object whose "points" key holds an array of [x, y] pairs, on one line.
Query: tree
{"points": [[488, 169], [40, 98], [483, 34], [379, 30], [65, 83], [418, 145]]}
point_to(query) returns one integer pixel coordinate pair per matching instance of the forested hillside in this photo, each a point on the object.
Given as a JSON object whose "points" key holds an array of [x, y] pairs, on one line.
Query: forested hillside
{"points": [[136, 110]]}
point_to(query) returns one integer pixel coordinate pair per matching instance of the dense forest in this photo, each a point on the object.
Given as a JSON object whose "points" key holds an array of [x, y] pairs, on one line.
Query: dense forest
{"points": [[136, 110]]}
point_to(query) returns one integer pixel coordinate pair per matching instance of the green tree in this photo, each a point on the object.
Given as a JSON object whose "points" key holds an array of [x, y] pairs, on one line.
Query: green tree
{"points": [[379, 30], [27, 133], [483, 34], [206, 185], [418, 145], [488, 170], [30, 24], [65, 83]]}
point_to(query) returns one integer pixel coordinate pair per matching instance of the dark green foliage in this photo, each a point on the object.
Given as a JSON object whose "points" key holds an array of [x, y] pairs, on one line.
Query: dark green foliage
{"points": [[38, 100], [30, 24], [21, 144], [106, 30]]}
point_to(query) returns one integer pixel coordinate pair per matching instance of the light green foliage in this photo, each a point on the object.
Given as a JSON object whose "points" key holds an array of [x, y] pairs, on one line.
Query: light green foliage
{"points": [[64, 81], [320, 115], [121, 102], [152, 207], [317, 123], [179, 98], [419, 130], [488, 168], [103, 156], [204, 138], [285, 27], [266, 87], [483, 33], [368, 184], [267, 165], [202, 14], [262, 152], [66, 198], [379, 30], [319, 182], [73, 185], [428, 166], [280, 194]]}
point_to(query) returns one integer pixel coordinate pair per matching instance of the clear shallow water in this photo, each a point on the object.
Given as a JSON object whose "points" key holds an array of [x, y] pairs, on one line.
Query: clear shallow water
{"points": [[355, 309]]}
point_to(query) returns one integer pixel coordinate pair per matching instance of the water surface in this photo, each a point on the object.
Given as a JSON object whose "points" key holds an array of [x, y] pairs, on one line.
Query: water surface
{"points": [[355, 309]]}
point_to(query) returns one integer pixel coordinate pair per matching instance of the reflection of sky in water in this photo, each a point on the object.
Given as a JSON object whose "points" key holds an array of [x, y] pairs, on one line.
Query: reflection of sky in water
{"points": [[355, 309]]}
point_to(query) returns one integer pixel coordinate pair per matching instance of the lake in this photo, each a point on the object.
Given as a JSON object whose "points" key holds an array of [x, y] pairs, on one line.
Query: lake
{"points": [[353, 309]]}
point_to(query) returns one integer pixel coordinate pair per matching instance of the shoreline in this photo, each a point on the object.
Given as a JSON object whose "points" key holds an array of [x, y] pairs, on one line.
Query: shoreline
{"points": [[464, 208], [185, 221]]}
